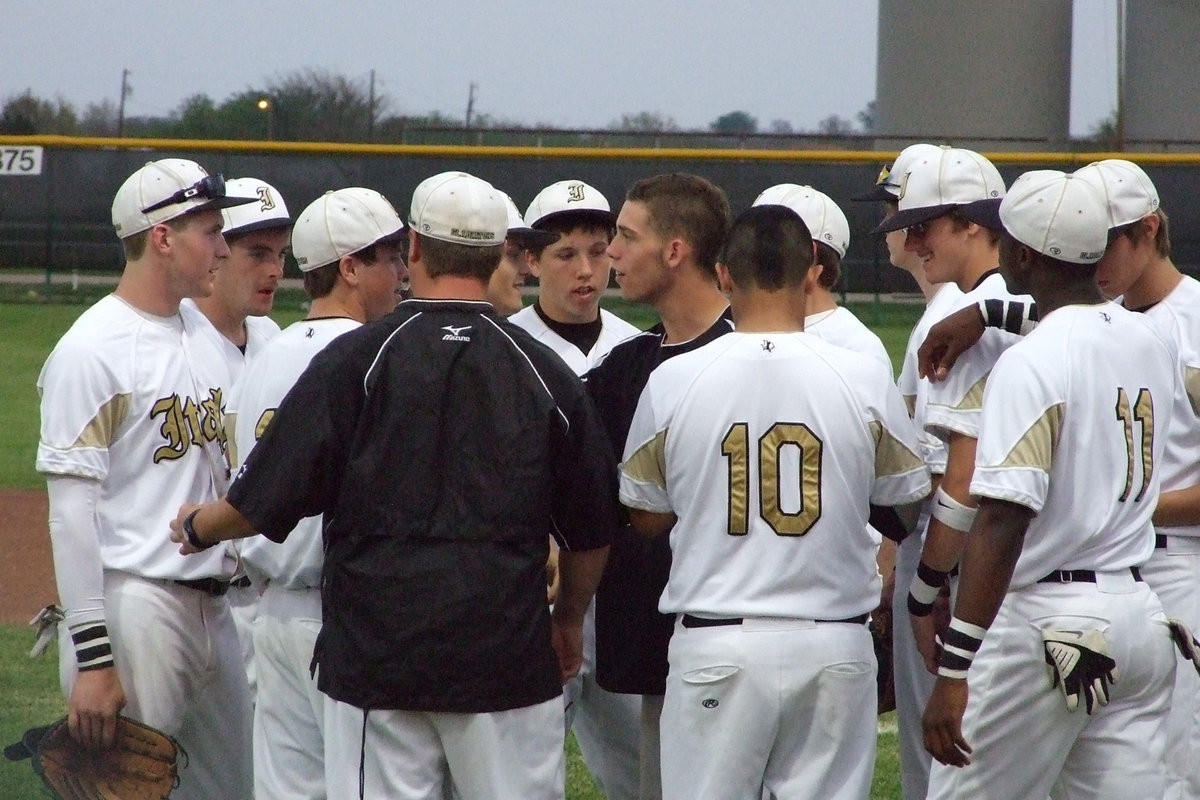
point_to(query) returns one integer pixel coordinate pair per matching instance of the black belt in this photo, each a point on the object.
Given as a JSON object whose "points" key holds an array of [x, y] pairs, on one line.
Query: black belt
{"points": [[210, 586], [1081, 576], [241, 583], [708, 622], [1160, 541]]}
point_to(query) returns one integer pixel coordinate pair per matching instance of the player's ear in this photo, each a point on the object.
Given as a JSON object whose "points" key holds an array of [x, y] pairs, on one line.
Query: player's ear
{"points": [[724, 280], [675, 251], [533, 263], [348, 269]]}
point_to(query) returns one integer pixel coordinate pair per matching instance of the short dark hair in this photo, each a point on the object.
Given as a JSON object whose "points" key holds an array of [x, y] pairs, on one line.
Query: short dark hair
{"points": [[451, 258], [689, 207], [370, 254], [570, 221], [319, 282], [769, 247], [1136, 233], [831, 262]]}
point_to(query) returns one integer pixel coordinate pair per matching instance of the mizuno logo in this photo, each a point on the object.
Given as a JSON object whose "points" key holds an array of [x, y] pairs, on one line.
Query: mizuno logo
{"points": [[455, 333]]}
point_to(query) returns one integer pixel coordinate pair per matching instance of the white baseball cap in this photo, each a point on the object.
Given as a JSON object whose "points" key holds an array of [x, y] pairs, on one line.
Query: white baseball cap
{"points": [[342, 222], [887, 185], [1058, 215], [517, 229], [824, 218], [459, 208], [165, 189], [269, 212], [937, 182], [568, 197], [1127, 189]]}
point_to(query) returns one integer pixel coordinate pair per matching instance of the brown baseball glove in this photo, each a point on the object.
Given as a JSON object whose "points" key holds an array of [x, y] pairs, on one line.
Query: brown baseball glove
{"points": [[885, 685], [141, 766]]}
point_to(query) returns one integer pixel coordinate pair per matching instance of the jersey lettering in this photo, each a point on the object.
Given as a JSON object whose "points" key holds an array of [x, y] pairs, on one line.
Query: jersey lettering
{"points": [[778, 440], [185, 424], [1142, 412]]}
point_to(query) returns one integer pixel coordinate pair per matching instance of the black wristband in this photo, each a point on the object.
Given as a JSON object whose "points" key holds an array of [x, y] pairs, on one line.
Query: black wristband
{"points": [[925, 588], [189, 532]]}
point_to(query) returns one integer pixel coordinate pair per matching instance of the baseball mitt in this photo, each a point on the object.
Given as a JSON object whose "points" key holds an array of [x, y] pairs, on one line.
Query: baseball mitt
{"points": [[142, 765], [885, 684]]}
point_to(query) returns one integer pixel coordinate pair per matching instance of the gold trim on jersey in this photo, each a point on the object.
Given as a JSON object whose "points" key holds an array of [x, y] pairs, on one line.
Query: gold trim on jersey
{"points": [[1191, 382], [892, 456], [102, 429], [231, 451], [1036, 446], [973, 399], [648, 464]]}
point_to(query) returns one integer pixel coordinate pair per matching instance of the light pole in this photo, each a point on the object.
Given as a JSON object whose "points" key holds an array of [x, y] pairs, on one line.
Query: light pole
{"points": [[266, 105]]}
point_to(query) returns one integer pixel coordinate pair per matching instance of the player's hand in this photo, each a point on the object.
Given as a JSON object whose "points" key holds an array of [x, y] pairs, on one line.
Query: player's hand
{"points": [[553, 579], [567, 638], [177, 534], [941, 724], [947, 340], [92, 709], [1188, 645]]}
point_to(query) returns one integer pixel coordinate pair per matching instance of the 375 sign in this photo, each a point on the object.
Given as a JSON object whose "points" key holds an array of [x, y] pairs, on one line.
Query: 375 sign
{"points": [[21, 160]]}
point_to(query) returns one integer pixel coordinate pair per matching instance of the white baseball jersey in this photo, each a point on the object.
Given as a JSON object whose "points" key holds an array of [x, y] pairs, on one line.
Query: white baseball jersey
{"points": [[953, 405], [613, 330], [842, 328], [769, 447], [1178, 317], [259, 331], [135, 401], [1053, 410], [913, 388], [296, 562]]}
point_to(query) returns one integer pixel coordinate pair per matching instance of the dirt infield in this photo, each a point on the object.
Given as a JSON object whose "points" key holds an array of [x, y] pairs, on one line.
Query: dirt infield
{"points": [[26, 567]]}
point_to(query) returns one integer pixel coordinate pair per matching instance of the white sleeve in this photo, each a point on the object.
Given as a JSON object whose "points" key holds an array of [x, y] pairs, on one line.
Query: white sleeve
{"points": [[75, 541]]}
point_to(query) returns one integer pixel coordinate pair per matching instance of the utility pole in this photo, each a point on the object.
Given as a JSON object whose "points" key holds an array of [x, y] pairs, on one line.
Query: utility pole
{"points": [[471, 103], [125, 90], [371, 111], [1120, 126]]}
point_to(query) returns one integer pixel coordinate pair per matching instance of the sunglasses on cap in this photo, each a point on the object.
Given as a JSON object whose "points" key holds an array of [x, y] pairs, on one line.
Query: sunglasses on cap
{"points": [[209, 187]]}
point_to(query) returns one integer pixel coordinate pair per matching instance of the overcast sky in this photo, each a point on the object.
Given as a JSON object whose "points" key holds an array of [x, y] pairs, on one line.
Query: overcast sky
{"points": [[560, 62]]}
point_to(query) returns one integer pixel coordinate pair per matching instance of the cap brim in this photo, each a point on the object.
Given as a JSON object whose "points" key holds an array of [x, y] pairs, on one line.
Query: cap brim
{"points": [[913, 216], [879, 194], [984, 212], [532, 237], [260, 225]]}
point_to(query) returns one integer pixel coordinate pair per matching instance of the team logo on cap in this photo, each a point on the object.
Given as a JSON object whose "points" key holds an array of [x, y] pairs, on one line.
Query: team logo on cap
{"points": [[903, 187], [266, 199], [575, 193]]}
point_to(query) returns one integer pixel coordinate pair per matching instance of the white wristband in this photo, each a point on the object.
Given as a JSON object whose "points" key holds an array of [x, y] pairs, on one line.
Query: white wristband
{"points": [[952, 513]]}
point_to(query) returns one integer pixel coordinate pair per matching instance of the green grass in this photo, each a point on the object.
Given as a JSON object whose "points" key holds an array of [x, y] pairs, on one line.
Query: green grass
{"points": [[29, 327]]}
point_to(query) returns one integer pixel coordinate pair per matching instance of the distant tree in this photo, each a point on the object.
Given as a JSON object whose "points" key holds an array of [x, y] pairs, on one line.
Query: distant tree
{"points": [[24, 115], [866, 118], [1104, 132], [734, 123], [321, 106], [645, 122], [99, 119], [781, 126], [833, 125], [199, 118]]}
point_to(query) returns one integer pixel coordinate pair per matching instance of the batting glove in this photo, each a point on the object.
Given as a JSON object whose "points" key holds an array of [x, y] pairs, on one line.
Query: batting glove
{"points": [[1188, 645], [45, 626], [1080, 664]]}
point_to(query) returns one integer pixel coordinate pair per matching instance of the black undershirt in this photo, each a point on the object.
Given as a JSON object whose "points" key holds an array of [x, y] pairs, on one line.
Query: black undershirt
{"points": [[581, 334]]}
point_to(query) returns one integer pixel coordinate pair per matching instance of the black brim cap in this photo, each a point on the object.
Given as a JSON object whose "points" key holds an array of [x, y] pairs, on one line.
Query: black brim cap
{"points": [[984, 212], [532, 237], [913, 216]]}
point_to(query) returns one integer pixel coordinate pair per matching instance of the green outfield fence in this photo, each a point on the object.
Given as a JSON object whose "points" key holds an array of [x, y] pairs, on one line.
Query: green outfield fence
{"points": [[58, 219]]}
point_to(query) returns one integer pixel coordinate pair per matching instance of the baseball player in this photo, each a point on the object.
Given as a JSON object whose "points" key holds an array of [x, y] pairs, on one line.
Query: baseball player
{"points": [[132, 399], [669, 232], [1137, 269], [1051, 605], [446, 443], [735, 453], [505, 287], [938, 189], [243, 294], [912, 682], [572, 272], [348, 244], [572, 275], [830, 229]]}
